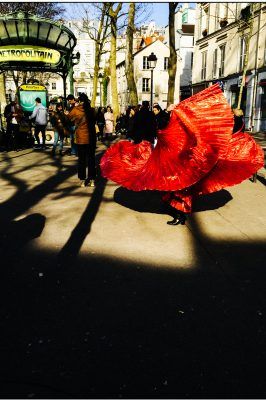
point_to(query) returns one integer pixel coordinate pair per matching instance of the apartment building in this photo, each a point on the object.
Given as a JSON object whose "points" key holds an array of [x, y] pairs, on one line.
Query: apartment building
{"points": [[142, 75], [220, 48], [184, 44]]}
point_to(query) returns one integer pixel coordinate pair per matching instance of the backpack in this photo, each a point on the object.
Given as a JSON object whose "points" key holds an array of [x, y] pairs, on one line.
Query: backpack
{"points": [[41, 117]]}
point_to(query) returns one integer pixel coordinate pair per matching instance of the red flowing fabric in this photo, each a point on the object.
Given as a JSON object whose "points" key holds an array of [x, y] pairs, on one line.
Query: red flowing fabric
{"points": [[195, 154]]}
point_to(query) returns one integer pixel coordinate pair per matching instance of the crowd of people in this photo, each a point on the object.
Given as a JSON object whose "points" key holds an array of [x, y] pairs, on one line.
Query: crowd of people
{"points": [[75, 119]]}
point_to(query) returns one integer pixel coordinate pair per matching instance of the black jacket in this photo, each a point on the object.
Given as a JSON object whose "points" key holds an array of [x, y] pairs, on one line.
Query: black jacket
{"points": [[144, 127], [162, 119], [239, 124]]}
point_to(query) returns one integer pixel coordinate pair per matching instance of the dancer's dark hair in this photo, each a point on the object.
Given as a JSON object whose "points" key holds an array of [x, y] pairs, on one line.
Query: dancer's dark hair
{"points": [[157, 107]]}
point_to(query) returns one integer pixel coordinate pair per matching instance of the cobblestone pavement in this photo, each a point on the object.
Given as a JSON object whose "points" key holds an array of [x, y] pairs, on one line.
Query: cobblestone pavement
{"points": [[101, 298]]}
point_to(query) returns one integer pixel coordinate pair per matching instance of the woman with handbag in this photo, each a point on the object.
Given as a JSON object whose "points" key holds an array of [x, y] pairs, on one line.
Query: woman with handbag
{"points": [[83, 118]]}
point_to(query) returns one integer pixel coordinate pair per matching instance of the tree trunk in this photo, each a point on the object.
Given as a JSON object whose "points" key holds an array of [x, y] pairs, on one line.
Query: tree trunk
{"points": [[2, 92], [105, 84], [99, 42], [133, 96], [246, 59], [173, 56], [15, 78], [115, 104], [24, 77], [113, 16], [95, 75]]}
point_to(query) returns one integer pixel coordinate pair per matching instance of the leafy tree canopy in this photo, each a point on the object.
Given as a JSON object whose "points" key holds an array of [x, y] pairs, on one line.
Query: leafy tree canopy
{"points": [[47, 10]]}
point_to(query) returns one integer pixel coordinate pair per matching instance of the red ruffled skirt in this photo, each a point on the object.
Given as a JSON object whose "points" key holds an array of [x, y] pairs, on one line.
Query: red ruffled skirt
{"points": [[195, 154]]}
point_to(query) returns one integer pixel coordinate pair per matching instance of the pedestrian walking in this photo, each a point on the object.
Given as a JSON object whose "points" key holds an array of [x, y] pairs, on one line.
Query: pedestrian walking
{"points": [[61, 126], [83, 117], [109, 122], [40, 114]]}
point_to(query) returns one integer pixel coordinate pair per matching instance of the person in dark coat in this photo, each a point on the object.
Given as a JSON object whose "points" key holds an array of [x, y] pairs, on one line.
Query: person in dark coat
{"points": [[13, 114], [61, 126], [130, 120], [161, 117], [100, 121], [144, 125]]}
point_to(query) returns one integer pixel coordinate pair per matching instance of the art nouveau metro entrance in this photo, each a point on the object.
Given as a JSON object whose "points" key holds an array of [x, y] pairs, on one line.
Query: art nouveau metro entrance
{"points": [[31, 43]]}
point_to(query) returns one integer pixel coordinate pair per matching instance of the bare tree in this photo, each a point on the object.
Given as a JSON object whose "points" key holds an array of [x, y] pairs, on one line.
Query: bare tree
{"points": [[173, 56], [98, 34], [133, 96], [113, 14]]}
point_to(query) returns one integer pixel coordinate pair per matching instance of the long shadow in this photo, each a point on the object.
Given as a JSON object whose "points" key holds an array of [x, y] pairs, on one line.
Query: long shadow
{"points": [[150, 201], [13, 207], [16, 234], [83, 227], [107, 328]]}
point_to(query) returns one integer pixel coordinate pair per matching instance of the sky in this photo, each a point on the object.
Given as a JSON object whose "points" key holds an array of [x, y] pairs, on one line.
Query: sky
{"points": [[159, 12]]}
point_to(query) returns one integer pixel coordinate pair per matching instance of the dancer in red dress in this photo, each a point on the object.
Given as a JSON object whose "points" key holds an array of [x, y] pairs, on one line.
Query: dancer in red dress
{"points": [[195, 154]]}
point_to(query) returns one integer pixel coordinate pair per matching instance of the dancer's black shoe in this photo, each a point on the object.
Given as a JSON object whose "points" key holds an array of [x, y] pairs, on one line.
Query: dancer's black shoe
{"points": [[178, 218]]}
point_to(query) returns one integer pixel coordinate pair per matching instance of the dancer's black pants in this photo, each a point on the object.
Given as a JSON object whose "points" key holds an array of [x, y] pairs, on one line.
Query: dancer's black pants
{"points": [[86, 159]]}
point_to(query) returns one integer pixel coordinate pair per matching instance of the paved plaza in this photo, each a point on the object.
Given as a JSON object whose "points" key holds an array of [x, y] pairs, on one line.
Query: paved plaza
{"points": [[101, 298]]}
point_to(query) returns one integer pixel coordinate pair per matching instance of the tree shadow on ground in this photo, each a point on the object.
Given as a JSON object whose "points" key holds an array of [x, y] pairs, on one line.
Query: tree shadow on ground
{"points": [[150, 201], [111, 328], [92, 326], [14, 234], [19, 232]]}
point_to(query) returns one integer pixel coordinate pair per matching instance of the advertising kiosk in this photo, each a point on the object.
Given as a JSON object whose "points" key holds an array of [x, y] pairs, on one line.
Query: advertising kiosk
{"points": [[27, 94]]}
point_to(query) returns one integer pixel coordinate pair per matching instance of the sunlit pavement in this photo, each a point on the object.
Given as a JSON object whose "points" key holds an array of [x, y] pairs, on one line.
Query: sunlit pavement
{"points": [[101, 298]]}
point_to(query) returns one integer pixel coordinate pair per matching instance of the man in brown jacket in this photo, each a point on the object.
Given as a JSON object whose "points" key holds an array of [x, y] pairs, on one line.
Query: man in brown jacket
{"points": [[83, 118]]}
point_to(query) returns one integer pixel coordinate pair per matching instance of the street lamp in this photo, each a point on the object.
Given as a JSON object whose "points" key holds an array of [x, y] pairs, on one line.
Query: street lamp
{"points": [[100, 77], [75, 58], [152, 60]]}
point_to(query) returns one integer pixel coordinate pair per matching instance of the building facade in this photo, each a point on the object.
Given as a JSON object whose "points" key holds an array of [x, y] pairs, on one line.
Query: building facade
{"points": [[184, 43], [142, 76], [220, 48]]}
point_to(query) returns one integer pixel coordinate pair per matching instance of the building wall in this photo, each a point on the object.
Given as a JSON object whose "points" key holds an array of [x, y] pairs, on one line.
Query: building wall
{"points": [[184, 18], [208, 17], [160, 77], [83, 71]]}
